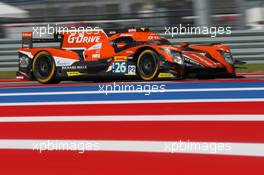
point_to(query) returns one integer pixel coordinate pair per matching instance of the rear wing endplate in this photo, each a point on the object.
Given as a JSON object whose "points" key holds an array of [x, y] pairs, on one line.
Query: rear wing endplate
{"points": [[28, 40]]}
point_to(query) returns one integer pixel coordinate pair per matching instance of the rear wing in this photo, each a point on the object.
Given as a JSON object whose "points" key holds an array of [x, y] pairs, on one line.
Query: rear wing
{"points": [[28, 40], [111, 32]]}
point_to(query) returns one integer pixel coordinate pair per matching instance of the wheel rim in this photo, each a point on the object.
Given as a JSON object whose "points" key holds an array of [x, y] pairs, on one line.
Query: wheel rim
{"points": [[44, 67], [147, 65]]}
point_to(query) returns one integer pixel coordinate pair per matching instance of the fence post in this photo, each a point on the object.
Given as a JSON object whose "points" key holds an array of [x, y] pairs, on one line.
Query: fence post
{"points": [[201, 10]]}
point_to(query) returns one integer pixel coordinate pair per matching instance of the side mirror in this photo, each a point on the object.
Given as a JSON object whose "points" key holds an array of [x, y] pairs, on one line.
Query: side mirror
{"points": [[184, 44]]}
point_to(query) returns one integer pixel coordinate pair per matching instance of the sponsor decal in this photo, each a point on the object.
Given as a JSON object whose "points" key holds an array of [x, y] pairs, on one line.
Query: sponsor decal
{"points": [[202, 60], [81, 38], [73, 73], [60, 61], [19, 77], [132, 30], [120, 67], [129, 52], [74, 67], [120, 58], [125, 34], [155, 37], [26, 34], [95, 47], [166, 75], [131, 70], [96, 56], [74, 48], [112, 32], [186, 58]]}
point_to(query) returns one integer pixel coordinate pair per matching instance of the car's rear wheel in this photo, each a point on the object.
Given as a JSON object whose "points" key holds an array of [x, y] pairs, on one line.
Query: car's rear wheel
{"points": [[148, 65], [44, 68]]}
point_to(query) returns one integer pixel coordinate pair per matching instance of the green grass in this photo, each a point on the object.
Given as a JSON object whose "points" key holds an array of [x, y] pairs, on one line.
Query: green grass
{"points": [[247, 68], [250, 68], [7, 75]]}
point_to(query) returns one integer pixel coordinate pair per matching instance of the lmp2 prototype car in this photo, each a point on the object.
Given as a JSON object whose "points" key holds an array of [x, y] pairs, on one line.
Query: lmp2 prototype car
{"points": [[134, 52]]}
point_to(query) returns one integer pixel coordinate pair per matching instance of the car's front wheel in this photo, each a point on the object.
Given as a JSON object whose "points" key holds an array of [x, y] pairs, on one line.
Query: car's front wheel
{"points": [[148, 65], [44, 68]]}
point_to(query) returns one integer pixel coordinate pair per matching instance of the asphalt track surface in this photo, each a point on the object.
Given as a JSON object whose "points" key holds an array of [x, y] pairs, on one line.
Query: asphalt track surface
{"points": [[134, 130]]}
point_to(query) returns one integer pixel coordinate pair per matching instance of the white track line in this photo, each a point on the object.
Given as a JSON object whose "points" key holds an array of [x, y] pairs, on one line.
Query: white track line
{"points": [[227, 148], [133, 102], [131, 91], [141, 118]]}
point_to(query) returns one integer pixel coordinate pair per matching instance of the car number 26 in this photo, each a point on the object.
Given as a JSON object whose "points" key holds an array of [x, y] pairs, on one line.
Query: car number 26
{"points": [[120, 67]]}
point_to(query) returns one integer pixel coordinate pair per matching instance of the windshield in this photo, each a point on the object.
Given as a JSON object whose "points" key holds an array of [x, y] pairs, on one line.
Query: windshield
{"points": [[158, 42]]}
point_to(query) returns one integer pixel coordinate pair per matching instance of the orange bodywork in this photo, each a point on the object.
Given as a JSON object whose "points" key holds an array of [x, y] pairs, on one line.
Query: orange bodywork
{"points": [[214, 52], [98, 46]]}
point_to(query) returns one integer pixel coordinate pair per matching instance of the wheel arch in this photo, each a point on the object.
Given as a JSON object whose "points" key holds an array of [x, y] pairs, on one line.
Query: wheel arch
{"points": [[39, 51], [141, 49], [59, 52]]}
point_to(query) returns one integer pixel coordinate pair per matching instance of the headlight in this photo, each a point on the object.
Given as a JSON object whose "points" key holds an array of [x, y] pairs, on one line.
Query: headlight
{"points": [[177, 57], [228, 57]]}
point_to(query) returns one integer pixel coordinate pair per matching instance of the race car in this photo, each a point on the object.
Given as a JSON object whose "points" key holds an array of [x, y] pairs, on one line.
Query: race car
{"points": [[134, 52]]}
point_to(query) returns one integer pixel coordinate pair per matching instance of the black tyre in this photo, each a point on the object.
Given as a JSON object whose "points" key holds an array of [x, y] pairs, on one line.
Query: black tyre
{"points": [[148, 65], [44, 68]]}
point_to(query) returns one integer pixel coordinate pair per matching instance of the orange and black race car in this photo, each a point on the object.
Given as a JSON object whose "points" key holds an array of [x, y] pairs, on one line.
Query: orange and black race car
{"points": [[134, 52]]}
